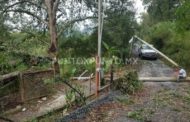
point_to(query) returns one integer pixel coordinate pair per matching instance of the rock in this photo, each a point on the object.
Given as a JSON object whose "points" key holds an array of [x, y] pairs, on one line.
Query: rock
{"points": [[39, 101], [44, 98], [65, 112], [24, 109], [18, 107]]}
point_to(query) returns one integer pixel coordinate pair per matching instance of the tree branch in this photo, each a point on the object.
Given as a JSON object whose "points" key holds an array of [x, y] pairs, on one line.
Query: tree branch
{"points": [[29, 13], [67, 24], [21, 2], [55, 6]]}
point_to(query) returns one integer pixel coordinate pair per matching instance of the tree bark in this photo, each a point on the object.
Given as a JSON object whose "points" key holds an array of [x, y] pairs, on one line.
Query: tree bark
{"points": [[52, 6]]}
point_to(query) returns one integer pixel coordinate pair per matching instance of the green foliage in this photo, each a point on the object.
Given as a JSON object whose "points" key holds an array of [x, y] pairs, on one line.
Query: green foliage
{"points": [[107, 64], [33, 43], [34, 120], [73, 99], [4, 67], [179, 49], [165, 37], [143, 114], [49, 81], [129, 83], [162, 10], [111, 50], [125, 100], [119, 27], [10, 63], [90, 66], [183, 16], [70, 97], [68, 71], [135, 115], [170, 35], [77, 45], [160, 33], [20, 49], [75, 66]]}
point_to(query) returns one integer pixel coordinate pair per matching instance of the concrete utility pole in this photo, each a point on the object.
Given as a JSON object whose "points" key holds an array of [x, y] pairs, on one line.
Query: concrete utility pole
{"points": [[98, 59], [99, 28]]}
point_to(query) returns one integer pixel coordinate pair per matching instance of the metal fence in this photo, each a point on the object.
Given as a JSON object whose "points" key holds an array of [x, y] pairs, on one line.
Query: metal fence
{"points": [[32, 84]]}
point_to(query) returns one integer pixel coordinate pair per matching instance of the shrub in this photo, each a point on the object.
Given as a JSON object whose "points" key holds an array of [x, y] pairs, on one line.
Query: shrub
{"points": [[73, 98], [129, 83]]}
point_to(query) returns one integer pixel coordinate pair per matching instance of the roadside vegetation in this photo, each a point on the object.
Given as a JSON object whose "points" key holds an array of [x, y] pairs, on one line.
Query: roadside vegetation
{"points": [[27, 46], [166, 26], [62, 35], [129, 83]]}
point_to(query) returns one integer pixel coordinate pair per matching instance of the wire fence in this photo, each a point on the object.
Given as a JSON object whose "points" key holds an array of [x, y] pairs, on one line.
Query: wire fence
{"points": [[23, 87], [32, 84]]}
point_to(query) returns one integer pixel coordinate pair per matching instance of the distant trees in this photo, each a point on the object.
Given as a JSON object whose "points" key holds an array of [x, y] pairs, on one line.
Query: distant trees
{"points": [[43, 15], [37, 15], [166, 26], [183, 16], [38, 24], [119, 26], [162, 10]]}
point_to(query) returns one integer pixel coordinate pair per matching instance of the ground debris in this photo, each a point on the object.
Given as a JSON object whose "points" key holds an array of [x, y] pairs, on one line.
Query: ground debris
{"points": [[156, 102]]}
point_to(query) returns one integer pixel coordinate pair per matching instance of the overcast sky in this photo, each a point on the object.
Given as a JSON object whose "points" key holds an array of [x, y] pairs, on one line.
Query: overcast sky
{"points": [[140, 9]]}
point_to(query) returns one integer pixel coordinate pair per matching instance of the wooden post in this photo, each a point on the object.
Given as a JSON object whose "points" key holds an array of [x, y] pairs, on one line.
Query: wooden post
{"points": [[90, 86], [97, 75], [111, 74], [21, 87]]}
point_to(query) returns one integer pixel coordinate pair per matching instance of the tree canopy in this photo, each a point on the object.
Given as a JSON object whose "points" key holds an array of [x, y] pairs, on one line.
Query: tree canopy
{"points": [[166, 25], [33, 27]]}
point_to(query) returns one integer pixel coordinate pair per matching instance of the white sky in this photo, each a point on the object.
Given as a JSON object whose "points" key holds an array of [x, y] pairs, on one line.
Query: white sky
{"points": [[140, 9]]}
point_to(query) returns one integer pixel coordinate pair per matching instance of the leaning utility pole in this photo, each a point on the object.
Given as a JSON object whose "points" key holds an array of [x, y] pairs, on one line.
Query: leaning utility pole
{"points": [[160, 53], [98, 58]]}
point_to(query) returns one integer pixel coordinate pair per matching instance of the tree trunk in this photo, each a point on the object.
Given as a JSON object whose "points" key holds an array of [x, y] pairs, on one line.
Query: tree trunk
{"points": [[52, 6]]}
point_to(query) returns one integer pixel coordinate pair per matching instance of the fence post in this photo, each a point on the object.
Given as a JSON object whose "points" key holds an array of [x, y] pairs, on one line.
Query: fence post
{"points": [[111, 74], [21, 87]]}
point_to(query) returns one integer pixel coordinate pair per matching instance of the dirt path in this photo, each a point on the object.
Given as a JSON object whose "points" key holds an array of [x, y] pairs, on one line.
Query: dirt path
{"points": [[157, 102], [155, 68]]}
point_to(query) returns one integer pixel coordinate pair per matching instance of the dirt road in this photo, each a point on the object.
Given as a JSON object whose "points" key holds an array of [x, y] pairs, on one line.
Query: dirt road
{"points": [[154, 68], [156, 102]]}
